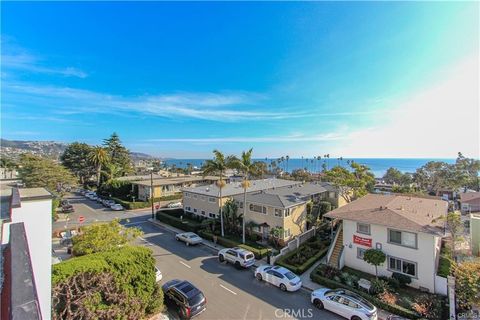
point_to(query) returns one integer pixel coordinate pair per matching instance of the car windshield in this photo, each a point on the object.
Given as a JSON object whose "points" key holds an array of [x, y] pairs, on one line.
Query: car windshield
{"points": [[290, 275], [196, 299]]}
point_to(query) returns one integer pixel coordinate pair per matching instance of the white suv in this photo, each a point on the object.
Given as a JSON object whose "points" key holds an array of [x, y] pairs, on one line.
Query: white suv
{"points": [[238, 256]]}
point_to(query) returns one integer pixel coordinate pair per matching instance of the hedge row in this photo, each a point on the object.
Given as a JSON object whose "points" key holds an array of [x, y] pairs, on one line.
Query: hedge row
{"points": [[306, 265], [398, 310], [258, 252], [144, 204], [183, 224]]}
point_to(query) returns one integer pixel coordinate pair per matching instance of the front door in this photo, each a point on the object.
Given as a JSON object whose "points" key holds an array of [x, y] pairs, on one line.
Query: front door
{"points": [[266, 231]]}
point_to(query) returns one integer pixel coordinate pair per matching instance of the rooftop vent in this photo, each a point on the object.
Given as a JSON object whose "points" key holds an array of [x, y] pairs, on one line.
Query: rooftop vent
{"points": [[207, 189]]}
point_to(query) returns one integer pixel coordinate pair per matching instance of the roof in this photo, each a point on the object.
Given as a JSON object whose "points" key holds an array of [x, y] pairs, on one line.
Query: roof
{"points": [[34, 194], [287, 196], [176, 180], [23, 293], [469, 196], [235, 188], [396, 211]]}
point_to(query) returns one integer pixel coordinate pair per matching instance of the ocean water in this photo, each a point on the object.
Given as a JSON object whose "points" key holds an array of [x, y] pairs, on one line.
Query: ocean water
{"points": [[377, 165]]}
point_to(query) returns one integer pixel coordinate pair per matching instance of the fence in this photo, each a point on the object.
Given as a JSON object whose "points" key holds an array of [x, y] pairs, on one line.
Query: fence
{"points": [[441, 285], [294, 244]]}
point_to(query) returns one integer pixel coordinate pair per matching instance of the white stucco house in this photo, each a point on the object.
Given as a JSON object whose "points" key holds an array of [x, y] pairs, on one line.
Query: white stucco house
{"points": [[405, 228]]}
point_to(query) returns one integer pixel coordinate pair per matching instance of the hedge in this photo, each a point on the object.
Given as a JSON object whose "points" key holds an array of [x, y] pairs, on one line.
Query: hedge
{"points": [[306, 265], [184, 224], [258, 252], [398, 310], [132, 269], [145, 204]]}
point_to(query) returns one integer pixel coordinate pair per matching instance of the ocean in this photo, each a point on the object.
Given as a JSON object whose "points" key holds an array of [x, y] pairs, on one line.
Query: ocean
{"points": [[377, 165]]}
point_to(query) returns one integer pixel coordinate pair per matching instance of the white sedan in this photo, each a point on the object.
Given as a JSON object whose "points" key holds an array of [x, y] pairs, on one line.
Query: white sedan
{"points": [[189, 238], [116, 207], [175, 205], [281, 277], [344, 303]]}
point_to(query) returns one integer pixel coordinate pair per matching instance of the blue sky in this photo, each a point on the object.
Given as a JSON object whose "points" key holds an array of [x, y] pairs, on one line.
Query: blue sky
{"points": [[180, 79]]}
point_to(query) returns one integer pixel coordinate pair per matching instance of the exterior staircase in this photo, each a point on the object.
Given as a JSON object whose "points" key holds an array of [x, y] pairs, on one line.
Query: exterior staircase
{"points": [[337, 250]]}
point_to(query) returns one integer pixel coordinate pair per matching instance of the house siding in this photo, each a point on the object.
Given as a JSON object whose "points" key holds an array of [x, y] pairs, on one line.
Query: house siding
{"points": [[425, 255]]}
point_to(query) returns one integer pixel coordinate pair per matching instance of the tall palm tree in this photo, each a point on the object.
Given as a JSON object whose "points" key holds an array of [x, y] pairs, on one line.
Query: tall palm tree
{"points": [[287, 157], [111, 172], [98, 157], [218, 165], [247, 167]]}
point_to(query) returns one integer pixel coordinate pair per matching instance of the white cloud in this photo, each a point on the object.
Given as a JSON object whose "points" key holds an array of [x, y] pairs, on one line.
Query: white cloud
{"points": [[436, 122]]}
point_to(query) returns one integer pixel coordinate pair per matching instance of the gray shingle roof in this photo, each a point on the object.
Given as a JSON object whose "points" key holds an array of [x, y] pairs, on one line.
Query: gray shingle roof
{"points": [[396, 211]]}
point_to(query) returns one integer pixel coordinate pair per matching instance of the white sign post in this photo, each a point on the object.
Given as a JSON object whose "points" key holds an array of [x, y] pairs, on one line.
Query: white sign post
{"points": [[451, 297]]}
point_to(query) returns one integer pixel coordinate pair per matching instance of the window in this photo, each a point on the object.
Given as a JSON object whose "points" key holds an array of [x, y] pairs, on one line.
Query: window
{"points": [[257, 208], [194, 210], [211, 215], [195, 196], [363, 228], [402, 266], [278, 212], [211, 199], [287, 212], [188, 209], [287, 233], [360, 253], [402, 238], [187, 194], [203, 213]]}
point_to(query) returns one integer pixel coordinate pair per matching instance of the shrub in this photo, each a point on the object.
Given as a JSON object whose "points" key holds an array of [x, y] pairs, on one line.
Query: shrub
{"points": [[182, 224], [117, 284], [392, 282], [257, 250], [388, 298], [379, 287], [395, 309], [403, 279], [467, 284], [324, 207], [374, 257], [328, 271], [444, 266], [428, 307]]}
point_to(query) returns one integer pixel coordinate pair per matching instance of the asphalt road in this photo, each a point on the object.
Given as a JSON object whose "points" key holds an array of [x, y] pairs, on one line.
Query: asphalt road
{"points": [[231, 293]]}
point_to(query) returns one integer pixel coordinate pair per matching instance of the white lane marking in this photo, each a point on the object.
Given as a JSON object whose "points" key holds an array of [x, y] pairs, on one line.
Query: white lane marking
{"points": [[228, 290], [186, 265]]}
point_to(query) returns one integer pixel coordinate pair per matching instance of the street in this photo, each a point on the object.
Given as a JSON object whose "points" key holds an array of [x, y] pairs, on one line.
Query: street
{"points": [[231, 293]]}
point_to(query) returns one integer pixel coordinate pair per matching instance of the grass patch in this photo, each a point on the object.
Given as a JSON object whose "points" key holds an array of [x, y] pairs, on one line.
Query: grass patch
{"points": [[305, 256]]}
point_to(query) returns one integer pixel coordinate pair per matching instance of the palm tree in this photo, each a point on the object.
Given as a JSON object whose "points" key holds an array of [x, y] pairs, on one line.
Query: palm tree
{"points": [[247, 167], [218, 165], [287, 157], [111, 172], [98, 157]]}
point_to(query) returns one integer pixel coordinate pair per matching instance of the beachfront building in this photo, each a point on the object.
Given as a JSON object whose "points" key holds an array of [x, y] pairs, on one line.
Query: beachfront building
{"points": [[168, 186], [406, 229], [271, 203], [26, 253]]}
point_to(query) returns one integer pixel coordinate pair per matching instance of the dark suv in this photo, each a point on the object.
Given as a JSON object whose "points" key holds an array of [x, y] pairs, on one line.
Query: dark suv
{"points": [[185, 298]]}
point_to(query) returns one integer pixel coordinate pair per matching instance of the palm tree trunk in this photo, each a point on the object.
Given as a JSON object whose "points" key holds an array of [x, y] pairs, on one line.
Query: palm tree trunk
{"points": [[221, 206], [99, 168], [244, 213]]}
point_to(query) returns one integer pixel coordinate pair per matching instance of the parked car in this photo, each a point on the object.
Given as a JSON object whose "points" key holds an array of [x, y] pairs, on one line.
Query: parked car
{"points": [[344, 303], [238, 256], [116, 207], [89, 195], [189, 238], [281, 277], [100, 199], [93, 198], [158, 274], [187, 300], [175, 205], [64, 202], [108, 203], [68, 208]]}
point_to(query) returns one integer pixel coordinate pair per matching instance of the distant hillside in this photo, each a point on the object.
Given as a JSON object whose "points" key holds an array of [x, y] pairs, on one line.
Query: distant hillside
{"points": [[12, 149]]}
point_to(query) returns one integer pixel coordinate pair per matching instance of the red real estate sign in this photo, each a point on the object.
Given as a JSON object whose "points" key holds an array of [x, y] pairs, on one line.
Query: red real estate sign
{"points": [[362, 241], [81, 219]]}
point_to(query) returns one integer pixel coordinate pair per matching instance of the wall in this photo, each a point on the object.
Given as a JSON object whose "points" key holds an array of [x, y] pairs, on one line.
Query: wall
{"points": [[475, 234], [37, 218], [424, 256]]}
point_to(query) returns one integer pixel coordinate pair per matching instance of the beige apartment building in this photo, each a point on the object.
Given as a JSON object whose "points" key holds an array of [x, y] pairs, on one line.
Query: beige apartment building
{"points": [[271, 203]]}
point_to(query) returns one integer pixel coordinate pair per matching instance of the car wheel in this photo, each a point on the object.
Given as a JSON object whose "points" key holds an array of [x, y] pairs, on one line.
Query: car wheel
{"points": [[283, 287], [221, 258], [187, 244], [318, 303], [356, 318], [237, 265], [176, 238], [259, 277]]}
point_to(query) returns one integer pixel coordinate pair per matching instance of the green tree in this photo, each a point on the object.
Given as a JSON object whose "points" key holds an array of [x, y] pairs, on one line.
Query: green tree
{"points": [[374, 257], [454, 225], [467, 170], [247, 167], [118, 154], [218, 165], [230, 210], [36, 171], [98, 157], [436, 175], [117, 284], [352, 184], [393, 176], [110, 172], [76, 159], [467, 284], [103, 237]]}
